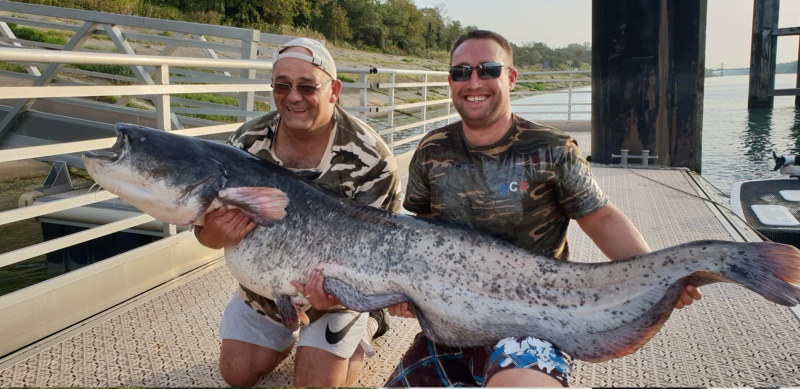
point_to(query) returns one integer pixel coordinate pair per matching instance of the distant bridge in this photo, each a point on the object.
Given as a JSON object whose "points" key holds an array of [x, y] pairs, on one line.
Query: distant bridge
{"points": [[722, 69]]}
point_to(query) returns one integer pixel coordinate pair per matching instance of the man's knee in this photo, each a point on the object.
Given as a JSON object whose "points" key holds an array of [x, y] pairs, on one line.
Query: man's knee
{"points": [[523, 377], [317, 367], [237, 374], [243, 364]]}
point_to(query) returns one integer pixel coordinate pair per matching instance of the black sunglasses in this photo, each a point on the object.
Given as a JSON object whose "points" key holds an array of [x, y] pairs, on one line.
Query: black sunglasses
{"points": [[303, 89], [486, 71]]}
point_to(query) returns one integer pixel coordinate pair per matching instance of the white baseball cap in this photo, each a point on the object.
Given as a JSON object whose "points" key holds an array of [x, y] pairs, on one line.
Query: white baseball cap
{"points": [[319, 54]]}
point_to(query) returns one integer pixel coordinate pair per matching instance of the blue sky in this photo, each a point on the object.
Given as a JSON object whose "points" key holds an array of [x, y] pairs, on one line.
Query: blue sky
{"points": [[559, 23]]}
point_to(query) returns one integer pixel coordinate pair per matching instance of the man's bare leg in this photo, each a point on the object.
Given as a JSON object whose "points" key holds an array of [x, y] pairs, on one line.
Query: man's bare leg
{"points": [[243, 364], [523, 378], [316, 367]]}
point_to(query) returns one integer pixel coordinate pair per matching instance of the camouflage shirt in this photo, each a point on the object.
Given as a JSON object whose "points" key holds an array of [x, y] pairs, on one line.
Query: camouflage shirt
{"points": [[358, 165], [523, 189]]}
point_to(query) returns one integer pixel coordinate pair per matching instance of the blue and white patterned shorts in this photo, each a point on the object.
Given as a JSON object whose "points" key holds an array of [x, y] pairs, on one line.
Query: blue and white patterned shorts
{"points": [[526, 353], [427, 364]]}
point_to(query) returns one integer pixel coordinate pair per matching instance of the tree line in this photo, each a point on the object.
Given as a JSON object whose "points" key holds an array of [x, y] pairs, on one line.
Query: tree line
{"points": [[388, 26]]}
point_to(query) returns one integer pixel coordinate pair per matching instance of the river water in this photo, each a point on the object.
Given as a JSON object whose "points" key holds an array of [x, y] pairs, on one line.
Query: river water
{"points": [[737, 142]]}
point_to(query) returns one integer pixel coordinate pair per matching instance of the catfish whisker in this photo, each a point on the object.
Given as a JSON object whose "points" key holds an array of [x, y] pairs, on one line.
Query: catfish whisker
{"points": [[92, 187]]}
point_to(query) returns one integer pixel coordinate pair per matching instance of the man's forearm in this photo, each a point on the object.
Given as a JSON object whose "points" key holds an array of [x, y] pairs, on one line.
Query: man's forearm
{"points": [[613, 233]]}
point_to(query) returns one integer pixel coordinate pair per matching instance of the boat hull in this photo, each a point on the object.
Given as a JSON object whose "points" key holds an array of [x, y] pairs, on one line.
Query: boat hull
{"points": [[771, 207]]}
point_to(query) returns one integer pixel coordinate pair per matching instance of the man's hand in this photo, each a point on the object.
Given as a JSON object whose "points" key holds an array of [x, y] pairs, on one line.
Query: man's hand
{"points": [[401, 310], [689, 294], [315, 293], [224, 227]]}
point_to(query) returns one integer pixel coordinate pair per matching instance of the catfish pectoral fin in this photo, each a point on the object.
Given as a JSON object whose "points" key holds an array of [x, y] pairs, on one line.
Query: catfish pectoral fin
{"points": [[288, 312], [353, 299], [267, 206]]}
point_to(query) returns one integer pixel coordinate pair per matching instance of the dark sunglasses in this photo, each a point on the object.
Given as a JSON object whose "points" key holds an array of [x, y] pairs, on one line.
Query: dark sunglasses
{"points": [[303, 89], [486, 71]]}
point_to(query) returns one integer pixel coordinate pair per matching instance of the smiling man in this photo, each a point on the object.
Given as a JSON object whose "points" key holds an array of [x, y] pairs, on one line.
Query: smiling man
{"points": [[515, 179], [309, 134]]}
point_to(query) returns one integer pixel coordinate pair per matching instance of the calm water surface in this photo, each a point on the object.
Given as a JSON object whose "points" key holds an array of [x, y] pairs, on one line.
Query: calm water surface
{"points": [[737, 142]]}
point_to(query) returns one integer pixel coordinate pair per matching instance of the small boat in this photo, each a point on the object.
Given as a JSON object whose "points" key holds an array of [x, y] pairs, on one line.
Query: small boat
{"points": [[771, 206]]}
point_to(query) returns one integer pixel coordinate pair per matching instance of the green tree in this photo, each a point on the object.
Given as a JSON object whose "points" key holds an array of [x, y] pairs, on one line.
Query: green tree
{"points": [[434, 23], [249, 13], [366, 21], [334, 22], [451, 33], [404, 24]]}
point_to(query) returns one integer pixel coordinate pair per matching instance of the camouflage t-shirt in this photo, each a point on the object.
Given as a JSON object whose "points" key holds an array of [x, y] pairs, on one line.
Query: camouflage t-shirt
{"points": [[523, 189], [358, 164]]}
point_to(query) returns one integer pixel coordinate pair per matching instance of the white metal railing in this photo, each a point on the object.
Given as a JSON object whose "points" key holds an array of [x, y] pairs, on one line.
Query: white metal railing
{"points": [[402, 135], [160, 91], [80, 30], [572, 91]]}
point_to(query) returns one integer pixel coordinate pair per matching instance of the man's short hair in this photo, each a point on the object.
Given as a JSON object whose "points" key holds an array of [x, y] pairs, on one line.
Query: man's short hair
{"points": [[485, 34]]}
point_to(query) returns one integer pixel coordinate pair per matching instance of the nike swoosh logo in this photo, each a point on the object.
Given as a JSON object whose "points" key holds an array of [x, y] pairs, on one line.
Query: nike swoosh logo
{"points": [[336, 337]]}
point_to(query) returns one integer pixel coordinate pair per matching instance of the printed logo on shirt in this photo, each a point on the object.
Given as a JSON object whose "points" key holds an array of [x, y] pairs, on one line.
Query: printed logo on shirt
{"points": [[514, 187]]}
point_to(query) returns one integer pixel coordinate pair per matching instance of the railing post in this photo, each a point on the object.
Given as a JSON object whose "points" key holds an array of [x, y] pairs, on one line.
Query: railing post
{"points": [[449, 101], [390, 117], [424, 99], [569, 96], [163, 112], [362, 78], [169, 229], [249, 51]]}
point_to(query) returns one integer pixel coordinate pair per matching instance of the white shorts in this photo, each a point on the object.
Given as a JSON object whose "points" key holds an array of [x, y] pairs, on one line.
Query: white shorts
{"points": [[338, 333]]}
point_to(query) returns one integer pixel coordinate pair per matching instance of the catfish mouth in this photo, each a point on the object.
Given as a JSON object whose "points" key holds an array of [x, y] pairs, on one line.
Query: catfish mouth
{"points": [[116, 153]]}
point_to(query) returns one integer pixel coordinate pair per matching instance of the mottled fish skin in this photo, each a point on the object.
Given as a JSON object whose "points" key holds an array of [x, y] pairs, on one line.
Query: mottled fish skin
{"points": [[469, 288]]}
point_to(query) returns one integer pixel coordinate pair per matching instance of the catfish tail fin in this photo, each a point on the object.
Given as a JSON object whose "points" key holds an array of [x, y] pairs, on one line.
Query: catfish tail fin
{"points": [[766, 268]]}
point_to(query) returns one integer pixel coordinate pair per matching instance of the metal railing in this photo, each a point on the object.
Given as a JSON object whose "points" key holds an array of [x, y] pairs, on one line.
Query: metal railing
{"points": [[78, 30], [88, 33], [568, 95]]}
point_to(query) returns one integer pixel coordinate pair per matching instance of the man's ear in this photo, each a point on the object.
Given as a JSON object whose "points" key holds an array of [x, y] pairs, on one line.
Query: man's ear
{"points": [[512, 78], [336, 88]]}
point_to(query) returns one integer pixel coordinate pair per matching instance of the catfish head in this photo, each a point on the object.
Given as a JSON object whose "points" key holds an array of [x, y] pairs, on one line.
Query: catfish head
{"points": [[174, 178]]}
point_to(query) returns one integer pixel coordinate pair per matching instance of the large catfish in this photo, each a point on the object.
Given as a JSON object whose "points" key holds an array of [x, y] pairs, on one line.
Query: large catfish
{"points": [[468, 288]]}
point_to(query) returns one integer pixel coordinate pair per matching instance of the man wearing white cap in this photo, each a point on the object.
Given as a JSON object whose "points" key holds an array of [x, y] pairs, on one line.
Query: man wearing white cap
{"points": [[310, 134]]}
